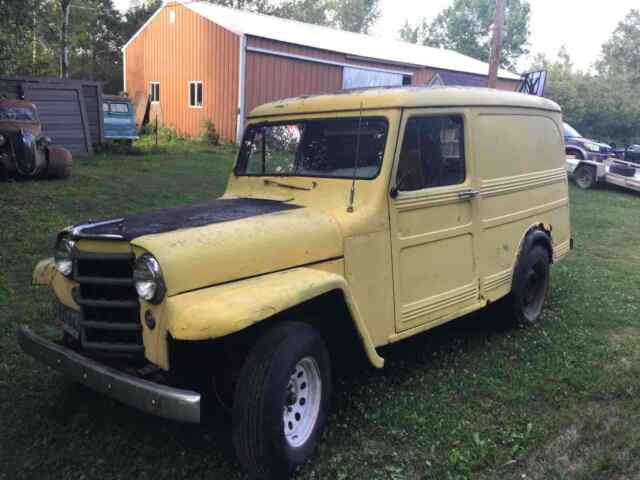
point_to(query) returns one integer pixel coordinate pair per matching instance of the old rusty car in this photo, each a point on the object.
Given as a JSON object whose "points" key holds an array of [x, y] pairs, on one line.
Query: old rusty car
{"points": [[350, 221], [24, 151]]}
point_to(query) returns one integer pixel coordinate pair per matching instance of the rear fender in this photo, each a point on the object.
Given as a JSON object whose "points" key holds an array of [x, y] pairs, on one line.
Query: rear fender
{"points": [[60, 162], [537, 234], [225, 309]]}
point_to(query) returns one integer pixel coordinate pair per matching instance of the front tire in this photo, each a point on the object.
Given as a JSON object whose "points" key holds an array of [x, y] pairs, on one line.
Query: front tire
{"points": [[281, 400], [585, 177]]}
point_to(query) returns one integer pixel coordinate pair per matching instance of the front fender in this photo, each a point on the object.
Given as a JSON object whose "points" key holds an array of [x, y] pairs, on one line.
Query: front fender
{"points": [[224, 309]]}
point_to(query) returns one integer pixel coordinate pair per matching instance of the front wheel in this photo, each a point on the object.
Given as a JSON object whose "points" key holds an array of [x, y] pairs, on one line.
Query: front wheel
{"points": [[281, 401], [585, 177]]}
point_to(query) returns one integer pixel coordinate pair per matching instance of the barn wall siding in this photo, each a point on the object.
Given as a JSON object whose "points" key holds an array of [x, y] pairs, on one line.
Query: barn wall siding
{"points": [[191, 49], [272, 78]]}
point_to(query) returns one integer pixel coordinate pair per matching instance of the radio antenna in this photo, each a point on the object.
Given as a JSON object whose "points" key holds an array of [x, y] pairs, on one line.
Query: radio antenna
{"points": [[352, 194]]}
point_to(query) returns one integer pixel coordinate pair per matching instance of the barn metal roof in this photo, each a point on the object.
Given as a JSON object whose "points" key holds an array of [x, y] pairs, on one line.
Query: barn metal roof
{"points": [[403, 97], [290, 31]]}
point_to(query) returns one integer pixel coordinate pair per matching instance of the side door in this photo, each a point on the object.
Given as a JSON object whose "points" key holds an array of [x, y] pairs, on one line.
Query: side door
{"points": [[432, 210]]}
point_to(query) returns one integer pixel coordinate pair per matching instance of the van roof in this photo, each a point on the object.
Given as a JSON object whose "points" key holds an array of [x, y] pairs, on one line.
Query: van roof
{"points": [[402, 97]]}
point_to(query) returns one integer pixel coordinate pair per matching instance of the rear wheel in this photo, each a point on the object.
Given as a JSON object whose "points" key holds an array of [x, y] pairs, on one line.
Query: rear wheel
{"points": [[530, 286], [281, 401], [585, 177]]}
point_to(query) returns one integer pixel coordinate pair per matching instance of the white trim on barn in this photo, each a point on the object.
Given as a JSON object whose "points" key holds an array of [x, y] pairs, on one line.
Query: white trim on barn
{"points": [[124, 70], [242, 77]]}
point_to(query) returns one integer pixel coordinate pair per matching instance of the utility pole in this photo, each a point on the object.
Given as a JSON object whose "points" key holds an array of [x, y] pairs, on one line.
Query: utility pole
{"points": [[65, 7], [496, 44]]}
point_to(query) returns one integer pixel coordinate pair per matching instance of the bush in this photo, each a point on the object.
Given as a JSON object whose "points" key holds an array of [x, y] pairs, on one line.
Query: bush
{"points": [[210, 135]]}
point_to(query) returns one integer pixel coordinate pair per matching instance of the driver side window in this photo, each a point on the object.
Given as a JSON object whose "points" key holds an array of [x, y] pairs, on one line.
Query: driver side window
{"points": [[432, 153]]}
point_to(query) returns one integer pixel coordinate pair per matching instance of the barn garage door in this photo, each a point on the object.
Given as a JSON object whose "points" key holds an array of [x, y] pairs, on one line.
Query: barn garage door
{"points": [[62, 114]]}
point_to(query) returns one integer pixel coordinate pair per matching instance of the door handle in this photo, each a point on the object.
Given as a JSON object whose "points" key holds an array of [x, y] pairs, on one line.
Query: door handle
{"points": [[468, 194]]}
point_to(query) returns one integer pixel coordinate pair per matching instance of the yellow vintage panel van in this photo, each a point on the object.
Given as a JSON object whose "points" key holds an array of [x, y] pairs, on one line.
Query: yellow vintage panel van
{"points": [[350, 221]]}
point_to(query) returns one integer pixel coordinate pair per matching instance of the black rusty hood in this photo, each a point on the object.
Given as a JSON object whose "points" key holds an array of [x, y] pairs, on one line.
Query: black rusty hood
{"points": [[184, 216]]}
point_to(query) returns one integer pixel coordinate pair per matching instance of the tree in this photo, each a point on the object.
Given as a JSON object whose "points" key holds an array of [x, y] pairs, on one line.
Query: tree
{"points": [[355, 15], [352, 15], [65, 10], [317, 12], [260, 6], [96, 42], [603, 106], [410, 33], [621, 53], [29, 36], [137, 14], [466, 27]]}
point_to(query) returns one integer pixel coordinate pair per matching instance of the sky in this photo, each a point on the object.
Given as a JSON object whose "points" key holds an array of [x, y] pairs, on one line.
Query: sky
{"points": [[580, 25]]}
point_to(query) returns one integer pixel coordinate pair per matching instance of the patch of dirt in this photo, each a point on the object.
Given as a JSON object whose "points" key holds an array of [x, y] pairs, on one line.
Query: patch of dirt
{"points": [[629, 336], [625, 342], [588, 449]]}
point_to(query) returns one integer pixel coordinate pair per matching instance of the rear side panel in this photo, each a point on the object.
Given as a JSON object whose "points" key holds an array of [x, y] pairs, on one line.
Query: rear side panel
{"points": [[520, 162]]}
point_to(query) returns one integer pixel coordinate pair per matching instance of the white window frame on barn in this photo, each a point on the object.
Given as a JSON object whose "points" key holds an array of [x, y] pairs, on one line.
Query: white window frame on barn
{"points": [[196, 95], [154, 92]]}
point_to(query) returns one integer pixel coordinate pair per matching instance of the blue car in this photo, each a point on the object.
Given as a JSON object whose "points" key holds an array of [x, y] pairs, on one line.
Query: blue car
{"points": [[119, 119]]}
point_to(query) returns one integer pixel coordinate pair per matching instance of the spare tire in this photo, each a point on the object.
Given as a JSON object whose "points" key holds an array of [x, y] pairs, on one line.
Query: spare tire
{"points": [[60, 163], [624, 170]]}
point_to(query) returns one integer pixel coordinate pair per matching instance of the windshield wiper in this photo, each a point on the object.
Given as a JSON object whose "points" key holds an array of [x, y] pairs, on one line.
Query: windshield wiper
{"points": [[291, 187]]}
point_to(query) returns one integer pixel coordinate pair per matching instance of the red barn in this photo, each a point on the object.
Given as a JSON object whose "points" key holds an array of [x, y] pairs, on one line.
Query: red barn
{"points": [[201, 61]]}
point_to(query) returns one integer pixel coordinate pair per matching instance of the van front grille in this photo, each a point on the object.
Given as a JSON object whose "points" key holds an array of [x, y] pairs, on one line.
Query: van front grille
{"points": [[110, 320]]}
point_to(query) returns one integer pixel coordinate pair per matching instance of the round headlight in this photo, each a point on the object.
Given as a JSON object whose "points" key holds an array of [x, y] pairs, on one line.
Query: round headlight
{"points": [[63, 255], [3, 140], [147, 278]]}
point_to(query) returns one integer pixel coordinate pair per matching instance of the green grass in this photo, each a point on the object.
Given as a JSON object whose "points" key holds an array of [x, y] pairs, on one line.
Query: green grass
{"points": [[467, 400]]}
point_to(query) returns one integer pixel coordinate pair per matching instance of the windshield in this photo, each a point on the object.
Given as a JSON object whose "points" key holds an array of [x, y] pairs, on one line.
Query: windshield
{"points": [[24, 114], [314, 148], [569, 131]]}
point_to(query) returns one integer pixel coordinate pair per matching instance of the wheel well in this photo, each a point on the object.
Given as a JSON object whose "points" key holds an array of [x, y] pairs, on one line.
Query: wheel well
{"points": [[577, 152], [585, 165], [330, 316], [539, 235], [327, 313]]}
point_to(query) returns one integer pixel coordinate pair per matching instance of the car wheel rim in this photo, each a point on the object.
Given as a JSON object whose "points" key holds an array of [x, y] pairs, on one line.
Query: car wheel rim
{"points": [[584, 179], [302, 402]]}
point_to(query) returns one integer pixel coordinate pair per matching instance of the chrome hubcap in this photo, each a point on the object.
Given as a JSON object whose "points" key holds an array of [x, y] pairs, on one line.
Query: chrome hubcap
{"points": [[302, 402]]}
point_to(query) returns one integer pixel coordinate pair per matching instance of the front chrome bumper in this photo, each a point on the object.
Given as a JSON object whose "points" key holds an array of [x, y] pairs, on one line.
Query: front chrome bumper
{"points": [[149, 397]]}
